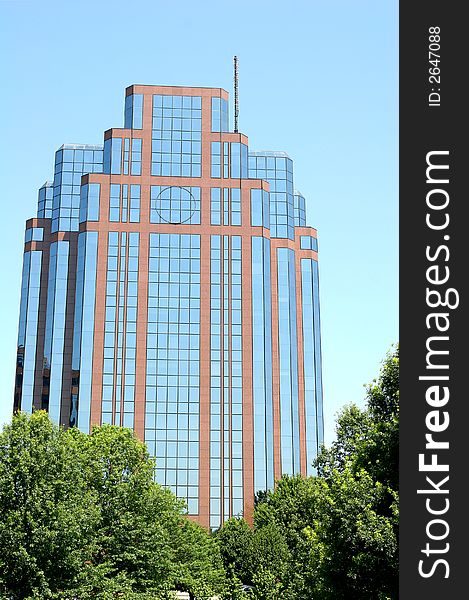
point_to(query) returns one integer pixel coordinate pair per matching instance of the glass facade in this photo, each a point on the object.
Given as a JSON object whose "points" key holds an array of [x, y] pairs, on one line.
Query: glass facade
{"points": [[122, 156], [173, 362], [308, 242], [71, 162], [277, 169], [311, 361], [89, 202], [219, 114], [260, 208], [83, 332], [288, 361], [34, 234], [225, 206], [226, 379], [300, 209], [176, 136], [263, 424], [124, 203], [44, 201], [133, 111], [120, 329], [174, 204], [54, 337], [28, 328], [168, 291]]}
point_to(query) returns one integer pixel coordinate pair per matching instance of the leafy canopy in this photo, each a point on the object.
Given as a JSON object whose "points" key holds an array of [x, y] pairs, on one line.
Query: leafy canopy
{"points": [[81, 517]]}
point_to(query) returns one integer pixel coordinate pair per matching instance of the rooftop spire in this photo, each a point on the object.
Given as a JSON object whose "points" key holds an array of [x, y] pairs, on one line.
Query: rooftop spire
{"points": [[236, 99]]}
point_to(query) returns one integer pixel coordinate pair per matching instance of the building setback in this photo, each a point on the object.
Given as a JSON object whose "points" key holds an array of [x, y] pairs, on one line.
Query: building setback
{"points": [[170, 285]]}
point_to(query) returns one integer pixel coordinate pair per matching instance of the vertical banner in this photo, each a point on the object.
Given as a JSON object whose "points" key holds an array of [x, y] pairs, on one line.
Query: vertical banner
{"points": [[434, 324]]}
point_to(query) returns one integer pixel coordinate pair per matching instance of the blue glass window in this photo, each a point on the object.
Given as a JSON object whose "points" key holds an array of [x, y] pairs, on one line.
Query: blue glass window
{"points": [[107, 156], [134, 204], [124, 203], [173, 362], [29, 314], [219, 114], [225, 379], [89, 202], [174, 204], [308, 243], [288, 361], [116, 156], [311, 360], [136, 166], [133, 111], [72, 162], [260, 209], [238, 160], [120, 329], [35, 234], [54, 337], [262, 364], [215, 208], [44, 205], [216, 160], [277, 169], [300, 210], [83, 331], [235, 206], [226, 202], [114, 202], [177, 136]]}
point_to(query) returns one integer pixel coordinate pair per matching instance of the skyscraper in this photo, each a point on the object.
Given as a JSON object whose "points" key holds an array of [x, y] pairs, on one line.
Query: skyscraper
{"points": [[170, 285]]}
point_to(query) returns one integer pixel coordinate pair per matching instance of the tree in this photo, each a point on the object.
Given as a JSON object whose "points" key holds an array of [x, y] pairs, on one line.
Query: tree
{"points": [[143, 534], [335, 535], [358, 529], [136, 516], [352, 551], [235, 540], [81, 518], [369, 438], [47, 512]]}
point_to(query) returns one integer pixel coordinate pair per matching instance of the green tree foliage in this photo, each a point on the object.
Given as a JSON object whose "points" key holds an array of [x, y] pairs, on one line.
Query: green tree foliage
{"points": [[236, 546], [369, 438], [358, 529], [82, 518], [333, 536], [47, 513], [258, 557]]}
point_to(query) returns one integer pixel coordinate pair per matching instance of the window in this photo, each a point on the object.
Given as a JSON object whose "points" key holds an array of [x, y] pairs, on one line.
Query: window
{"points": [[71, 163], [173, 204], [225, 206], [277, 169], [219, 114], [173, 362], [308, 243], [124, 203], [34, 234], [136, 166], [133, 111], [120, 329], [89, 202], [176, 136], [216, 160], [239, 160]]}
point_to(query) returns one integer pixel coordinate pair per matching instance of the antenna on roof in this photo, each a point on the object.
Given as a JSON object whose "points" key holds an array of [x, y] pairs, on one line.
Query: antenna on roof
{"points": [[236, 99]]}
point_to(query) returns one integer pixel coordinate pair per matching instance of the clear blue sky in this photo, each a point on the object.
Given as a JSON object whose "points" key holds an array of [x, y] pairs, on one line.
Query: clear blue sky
{"points": [[318, 79]]}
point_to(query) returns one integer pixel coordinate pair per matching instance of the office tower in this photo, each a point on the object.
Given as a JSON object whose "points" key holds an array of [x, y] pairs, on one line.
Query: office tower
{"points": [[170, 285]]}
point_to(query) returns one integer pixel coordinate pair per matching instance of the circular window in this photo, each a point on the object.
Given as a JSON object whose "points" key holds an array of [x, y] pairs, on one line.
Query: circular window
{"points": [[175, 205]]}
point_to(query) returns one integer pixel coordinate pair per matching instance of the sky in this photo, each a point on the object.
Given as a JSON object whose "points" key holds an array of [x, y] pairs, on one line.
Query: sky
{"points": [[318, 79]]}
